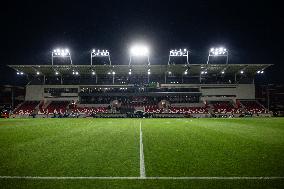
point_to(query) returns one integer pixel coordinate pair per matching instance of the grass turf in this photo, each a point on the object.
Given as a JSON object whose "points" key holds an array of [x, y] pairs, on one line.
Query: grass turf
{"points": [[172, 147]]}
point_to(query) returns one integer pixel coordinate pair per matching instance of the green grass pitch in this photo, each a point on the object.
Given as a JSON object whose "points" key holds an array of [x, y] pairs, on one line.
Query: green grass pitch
{"points": [[249, 147]]}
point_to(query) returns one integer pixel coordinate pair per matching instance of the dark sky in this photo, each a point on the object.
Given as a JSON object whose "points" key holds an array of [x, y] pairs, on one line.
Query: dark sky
{"points": [[252, 31]]}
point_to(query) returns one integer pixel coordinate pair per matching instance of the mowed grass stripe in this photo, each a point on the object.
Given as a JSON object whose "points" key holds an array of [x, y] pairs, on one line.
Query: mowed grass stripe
{"points": [[70, 147], [214, 147]]}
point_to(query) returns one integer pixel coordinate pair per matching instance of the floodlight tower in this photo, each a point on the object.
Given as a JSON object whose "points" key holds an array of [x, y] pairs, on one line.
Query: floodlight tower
{"points": [[178, 53], [218, 52], [99, 54], [60, 53], [139, 51]]}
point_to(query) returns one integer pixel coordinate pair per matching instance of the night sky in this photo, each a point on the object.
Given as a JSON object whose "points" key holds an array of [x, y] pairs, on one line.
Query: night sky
{"points": [[251, 31]]}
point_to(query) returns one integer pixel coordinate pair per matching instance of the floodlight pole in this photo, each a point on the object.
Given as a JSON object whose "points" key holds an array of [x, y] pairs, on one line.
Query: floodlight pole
{"points": [[208, 58], [227, 60], [187, 57]]}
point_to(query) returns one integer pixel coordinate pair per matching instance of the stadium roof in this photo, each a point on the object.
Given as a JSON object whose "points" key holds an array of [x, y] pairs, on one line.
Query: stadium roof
{"points": [[192, 69]]}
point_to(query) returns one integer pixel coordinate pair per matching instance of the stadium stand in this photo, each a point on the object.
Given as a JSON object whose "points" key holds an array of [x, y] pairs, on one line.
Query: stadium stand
{"points": [[140, 94], [254, 107], [26, 108]]}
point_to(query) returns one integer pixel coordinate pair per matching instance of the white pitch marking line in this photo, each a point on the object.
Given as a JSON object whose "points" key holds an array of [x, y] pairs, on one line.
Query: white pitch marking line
{"points": [[142, 163], [138, 178]]}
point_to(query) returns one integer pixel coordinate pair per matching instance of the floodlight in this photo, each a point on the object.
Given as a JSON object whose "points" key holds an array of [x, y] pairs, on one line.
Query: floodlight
{"points": [[178, 53], [37, 73], [223, 72], [113, 73], [169, 72], [56, 73], [129, 73], [21, 73], [149, 71], [262, 72], [76, 73], [258, 72], [139, 50], [221, 51], [99, 54], [18, 73], [241, 71], [61, 53], [93, 73]]}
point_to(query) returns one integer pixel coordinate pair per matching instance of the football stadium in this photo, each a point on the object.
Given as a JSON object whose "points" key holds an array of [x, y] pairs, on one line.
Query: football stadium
{"points": [[177, 124]]}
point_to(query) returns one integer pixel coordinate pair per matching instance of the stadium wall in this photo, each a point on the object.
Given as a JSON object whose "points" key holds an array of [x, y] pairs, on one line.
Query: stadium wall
{"points": [[36, 93], [208, 91], [230, 92]]}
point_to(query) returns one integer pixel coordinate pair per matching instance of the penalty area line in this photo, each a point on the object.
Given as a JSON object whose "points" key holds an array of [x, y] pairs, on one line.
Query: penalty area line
{"points": [[139, 178]]}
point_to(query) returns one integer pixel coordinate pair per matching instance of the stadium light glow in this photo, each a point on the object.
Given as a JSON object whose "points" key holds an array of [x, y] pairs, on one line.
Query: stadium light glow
{"points": [[220, 51], [75, 72], [203, 72], [139, 50], [20, 73], [61, 53]]}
